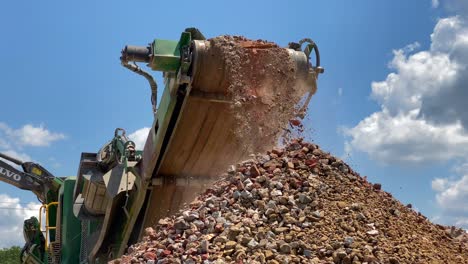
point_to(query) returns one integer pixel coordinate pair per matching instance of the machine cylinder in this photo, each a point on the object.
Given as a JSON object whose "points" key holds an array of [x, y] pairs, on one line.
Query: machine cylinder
{"points": [[136, 53]]}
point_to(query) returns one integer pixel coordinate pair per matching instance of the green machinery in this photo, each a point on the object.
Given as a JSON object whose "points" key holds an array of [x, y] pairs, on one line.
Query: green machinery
{"points": [[118, 191], [57, 236]]}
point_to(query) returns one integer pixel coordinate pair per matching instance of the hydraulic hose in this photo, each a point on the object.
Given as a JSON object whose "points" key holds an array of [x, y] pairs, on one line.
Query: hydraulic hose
{"points": [[16, 161], [154, 87]]}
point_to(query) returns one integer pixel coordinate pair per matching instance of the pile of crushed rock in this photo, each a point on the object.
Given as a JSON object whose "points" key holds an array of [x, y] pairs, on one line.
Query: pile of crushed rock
{"points": [[297, 205]]}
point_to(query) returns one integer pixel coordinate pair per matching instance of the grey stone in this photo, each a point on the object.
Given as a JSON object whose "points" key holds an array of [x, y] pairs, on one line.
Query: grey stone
{"points": [[271, 204], [276, 193], [262, 159], [261, 179], [199, 224], [317, 214], [205, 246], [190, 216], [236, 195], [361, 217], [252, 244], [246, 195], [285, 248], [181, 224], [304, 199], [356, 206], [231, 170], [348, 241]]}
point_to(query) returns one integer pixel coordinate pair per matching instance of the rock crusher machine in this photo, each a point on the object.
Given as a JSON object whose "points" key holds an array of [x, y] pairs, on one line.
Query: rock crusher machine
{"points": [[118, 191]]}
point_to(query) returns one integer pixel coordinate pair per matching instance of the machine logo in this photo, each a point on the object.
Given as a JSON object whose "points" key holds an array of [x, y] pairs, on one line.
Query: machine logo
{"points": [[10, 174]]}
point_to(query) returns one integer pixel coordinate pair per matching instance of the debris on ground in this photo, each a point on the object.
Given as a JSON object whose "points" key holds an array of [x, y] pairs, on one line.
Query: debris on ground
{"points": [[297, 204]]}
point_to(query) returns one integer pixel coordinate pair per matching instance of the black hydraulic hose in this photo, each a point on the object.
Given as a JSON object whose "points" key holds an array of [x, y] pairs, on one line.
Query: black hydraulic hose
{"points": [[312, 45], [16, 161], [154, 87], [315, 48], [317, 55]]}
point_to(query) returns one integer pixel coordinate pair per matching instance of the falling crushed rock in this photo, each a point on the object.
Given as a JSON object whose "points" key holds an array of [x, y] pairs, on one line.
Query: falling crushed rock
{"points": [[262, 79], [297, 204]]}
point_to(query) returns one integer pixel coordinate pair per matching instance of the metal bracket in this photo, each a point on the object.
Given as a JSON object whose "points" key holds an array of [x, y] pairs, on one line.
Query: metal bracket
{"points": [[311, 46]]}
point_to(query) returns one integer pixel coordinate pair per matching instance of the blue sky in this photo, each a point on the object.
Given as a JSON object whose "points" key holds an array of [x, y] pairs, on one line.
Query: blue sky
{"points": [[64, 90]]}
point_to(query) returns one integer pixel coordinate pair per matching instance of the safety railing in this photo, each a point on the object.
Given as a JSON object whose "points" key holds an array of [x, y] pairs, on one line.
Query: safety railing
{"points": [[45, 209]]}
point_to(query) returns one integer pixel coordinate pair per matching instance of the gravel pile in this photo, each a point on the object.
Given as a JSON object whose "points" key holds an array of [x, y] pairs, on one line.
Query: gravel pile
{"points": [[297, 205]]}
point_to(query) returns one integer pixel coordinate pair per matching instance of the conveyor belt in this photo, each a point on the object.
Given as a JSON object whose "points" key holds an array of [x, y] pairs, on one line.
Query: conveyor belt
{"points": [[203, 142]]}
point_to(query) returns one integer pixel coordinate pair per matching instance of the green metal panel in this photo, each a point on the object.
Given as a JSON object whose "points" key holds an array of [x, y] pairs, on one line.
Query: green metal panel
{"points": [[71, 226], [123, 223], [166, 53], [164, 114], [136, 200]]}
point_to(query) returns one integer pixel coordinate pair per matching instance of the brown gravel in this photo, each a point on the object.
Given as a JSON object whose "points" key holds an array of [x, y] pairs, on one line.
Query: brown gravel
{"points": [[297, 205]]}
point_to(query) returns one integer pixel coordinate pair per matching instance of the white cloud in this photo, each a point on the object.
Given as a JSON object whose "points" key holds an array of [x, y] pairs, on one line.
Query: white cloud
{"points": [[457, 6], [340, 91], [406, 138], [463, 222], [461, 169], [29, 135], [412, 47], [452, 196], [12, 140], [12, 211], [423, 113], [139, 137], [37, 136], [439, 184], [12, 215]]}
